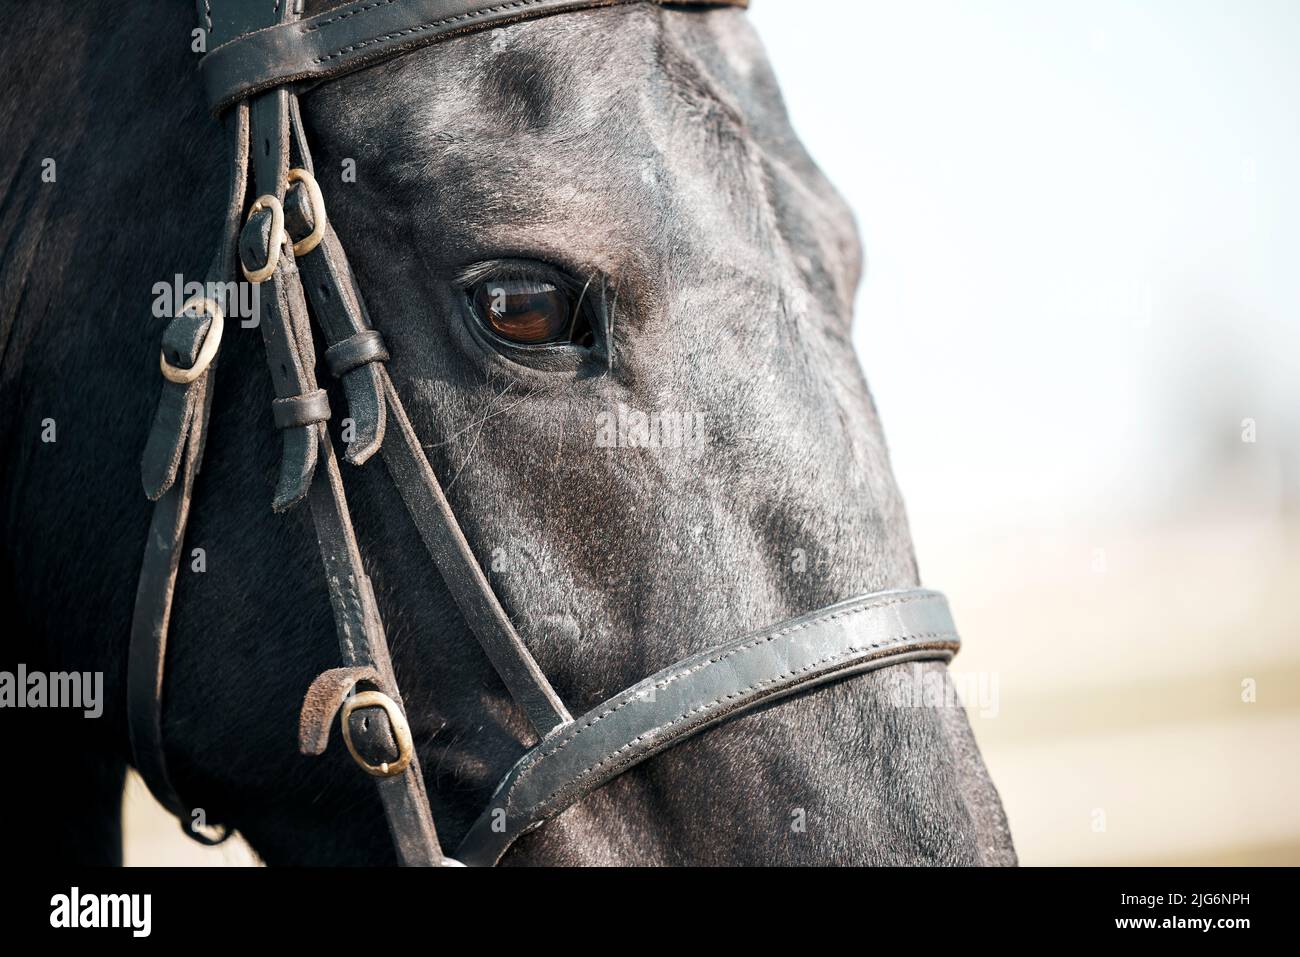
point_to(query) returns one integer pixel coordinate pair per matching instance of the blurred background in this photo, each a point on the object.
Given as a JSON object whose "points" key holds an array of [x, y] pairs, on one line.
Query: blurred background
{"points": [[1080, 319], [1081, 322]]}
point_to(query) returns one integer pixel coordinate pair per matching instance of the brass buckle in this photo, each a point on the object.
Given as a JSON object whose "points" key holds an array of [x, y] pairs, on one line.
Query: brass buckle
{"points": [[309, 242], [396, 720], [277, 238], [207, 352]]}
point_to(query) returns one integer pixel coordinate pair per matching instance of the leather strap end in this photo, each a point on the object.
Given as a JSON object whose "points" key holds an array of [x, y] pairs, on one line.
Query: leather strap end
{"points": [[324, 699], [181, 343], [161, 460], [296, 417], [297, 466], [368, 410], [353, 360], [255, 239]]}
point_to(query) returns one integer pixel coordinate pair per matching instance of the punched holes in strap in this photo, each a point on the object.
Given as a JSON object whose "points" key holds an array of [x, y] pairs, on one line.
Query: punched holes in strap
{"points": [[355, 351], [298, 410]]}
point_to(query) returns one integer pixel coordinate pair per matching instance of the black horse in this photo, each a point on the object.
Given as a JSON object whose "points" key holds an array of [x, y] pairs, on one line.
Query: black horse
{"points": [[704, 461]]}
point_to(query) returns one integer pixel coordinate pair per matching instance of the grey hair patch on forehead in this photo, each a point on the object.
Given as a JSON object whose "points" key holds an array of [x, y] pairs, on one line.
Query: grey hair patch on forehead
{"points": [[522, 89]]}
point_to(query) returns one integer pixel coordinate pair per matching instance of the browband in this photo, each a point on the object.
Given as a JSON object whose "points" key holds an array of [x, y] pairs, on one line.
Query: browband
{"points": [[360, 34]]}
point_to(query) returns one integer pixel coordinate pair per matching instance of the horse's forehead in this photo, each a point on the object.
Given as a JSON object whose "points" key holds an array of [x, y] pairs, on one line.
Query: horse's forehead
{"points": [[578, 91], [568, 69], [620, 129]]}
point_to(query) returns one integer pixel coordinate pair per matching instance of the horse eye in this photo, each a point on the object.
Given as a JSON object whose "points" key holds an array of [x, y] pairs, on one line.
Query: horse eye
{"points": [[524, 310]]}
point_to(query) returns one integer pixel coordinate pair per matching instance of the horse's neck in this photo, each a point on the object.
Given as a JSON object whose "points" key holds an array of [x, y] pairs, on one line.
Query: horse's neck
{"points": [[105, 138]]}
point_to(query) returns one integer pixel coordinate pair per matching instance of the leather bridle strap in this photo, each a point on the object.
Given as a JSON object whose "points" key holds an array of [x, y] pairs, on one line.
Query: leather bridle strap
{"points": [[357, 353], [848, 638], [146, 664], [308, 467], [377, 733], [363, 33], [451, 553], [363, 646], [171, 462]]}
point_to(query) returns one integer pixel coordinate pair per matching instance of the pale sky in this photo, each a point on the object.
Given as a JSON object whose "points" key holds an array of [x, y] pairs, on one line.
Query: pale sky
{"points": [[1082, 232]]}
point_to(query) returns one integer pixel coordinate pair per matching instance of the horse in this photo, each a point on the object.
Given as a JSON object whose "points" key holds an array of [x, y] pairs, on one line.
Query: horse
{"points": [[673, 446]]}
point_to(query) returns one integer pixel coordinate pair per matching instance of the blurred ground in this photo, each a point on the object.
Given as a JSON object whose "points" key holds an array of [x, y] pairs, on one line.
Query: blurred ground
{"points": [[153, 837], [1121, 734]]}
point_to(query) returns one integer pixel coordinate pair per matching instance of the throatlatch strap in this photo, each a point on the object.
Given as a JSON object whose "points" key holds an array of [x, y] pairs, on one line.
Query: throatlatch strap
{"points": [[171, 485], [300, 413], [147, 655]]}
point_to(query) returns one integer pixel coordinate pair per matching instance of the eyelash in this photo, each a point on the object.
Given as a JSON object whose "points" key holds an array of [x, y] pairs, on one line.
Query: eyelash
{"points": [[506, 269]]}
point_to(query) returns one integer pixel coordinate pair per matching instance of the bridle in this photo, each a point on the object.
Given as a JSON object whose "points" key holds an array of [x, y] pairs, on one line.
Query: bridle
{"points": [[262, 51]]}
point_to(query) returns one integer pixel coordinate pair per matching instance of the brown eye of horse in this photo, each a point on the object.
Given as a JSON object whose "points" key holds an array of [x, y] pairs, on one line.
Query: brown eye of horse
{"points": [[524, 310]]}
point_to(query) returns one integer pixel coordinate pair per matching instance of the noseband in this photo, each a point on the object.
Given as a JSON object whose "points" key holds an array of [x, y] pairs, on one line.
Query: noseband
{"points": [[262, 51]]}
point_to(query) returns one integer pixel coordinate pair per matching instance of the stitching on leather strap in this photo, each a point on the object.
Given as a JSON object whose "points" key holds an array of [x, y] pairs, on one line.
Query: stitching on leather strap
{"points": [[351, 13], [634, 694], [701, 709], [475, 14], [305, 27], [228, 84], [704, 708]]}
